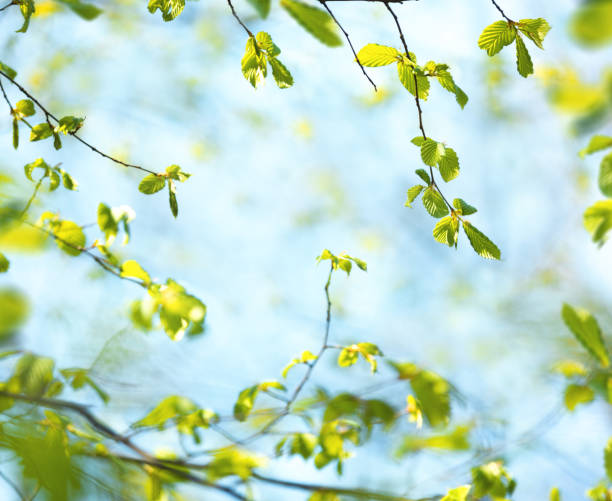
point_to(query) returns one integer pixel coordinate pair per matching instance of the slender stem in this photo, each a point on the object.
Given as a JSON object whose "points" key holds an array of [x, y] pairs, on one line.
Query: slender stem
{"points": [[346, 35], [50, 116], [6, 98], [36, 188], [502, 12], [231, 6], [13, 2]]}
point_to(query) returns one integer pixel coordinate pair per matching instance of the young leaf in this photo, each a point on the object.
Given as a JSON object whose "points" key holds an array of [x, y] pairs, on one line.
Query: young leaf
{"points": [[457, 494], [597, 220], [406, 74], [597, 143], [480, 242], [15, 133], [422, 173], [447, 82], [7, 70], [534, 29], [261, 6], [432, 393], [463, 208], [446, 231], [523, 59], [169, 9], [576, 394], [133, 269], [85, 11], [316, 21], [608, 459], [496, 36], [449, 165], [586, 330], [432, 152], [413, 193], [25, 108], [281, 74], [377, 55], [172, 197], [4, 263], [69, 124], [434, 203], [605, 175], [70, 237], [41, 131], [254, 66], [151, 183]]}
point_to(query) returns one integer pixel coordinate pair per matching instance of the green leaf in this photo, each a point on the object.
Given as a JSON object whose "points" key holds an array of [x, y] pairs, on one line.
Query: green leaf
{"points": [[577, 394], [591, 24], [446, 231], [261, 6], [54, 180], [69, 124], [27, 9], [434, 203], [132, 269], [57, 142], [608, 459], [7, 70], [597, 143], [463, 208], [39, 163], [496, 36], [68, 181], [4, 263], [281, 74], [586, 330], [316, 21], [447, 82], [605, 175], [25, 108], [169, 9], [534, 29], [151, 183], [377, 55], [418, 141], [172, 197], [246, 399], [304, 358], [554, 495], [480, 242], [413, 193], [303, 444], [597, 220], [85, 11], [264, 42], [449, 165], [457, 494], [41, 131], [432, 152], [15, 133], [432, 393], [254, 66], [422, 173], [523, 59], [70, 237], [407, 74]]}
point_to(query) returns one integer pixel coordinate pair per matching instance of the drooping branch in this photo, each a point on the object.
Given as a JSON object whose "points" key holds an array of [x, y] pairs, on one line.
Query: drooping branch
{"points": [[51, 117], [346, 35]]}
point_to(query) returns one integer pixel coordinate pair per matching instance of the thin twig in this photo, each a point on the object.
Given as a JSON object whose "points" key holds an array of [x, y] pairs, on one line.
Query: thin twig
{"points": [[50, 116], [502, 12], [229, 2], [418, 103], [13, 2], [346, 35]]}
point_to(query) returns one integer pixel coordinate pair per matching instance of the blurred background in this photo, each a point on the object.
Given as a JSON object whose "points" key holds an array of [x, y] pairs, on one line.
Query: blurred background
{"points": [[278, 175]]}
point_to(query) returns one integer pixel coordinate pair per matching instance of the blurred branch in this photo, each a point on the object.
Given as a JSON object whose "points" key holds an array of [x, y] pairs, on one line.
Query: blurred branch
{"points": [[231, 6], [50, 116], [13, 2]]}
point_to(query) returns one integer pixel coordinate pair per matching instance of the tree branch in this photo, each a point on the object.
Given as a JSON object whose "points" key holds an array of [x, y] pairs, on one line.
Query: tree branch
{"points": [[502, 12], [50, 116], [231, 6], [346, 35]]}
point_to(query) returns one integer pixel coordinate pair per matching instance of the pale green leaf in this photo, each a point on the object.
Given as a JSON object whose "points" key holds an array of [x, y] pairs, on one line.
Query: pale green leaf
{"points": [[314, 20], [523, 59], [463, 208], [407, 75], [7, 70], [413, 193], [457, 494], [597, 220], [41, 131], [4, 263], [133, 269], [585, 328], [169, 9], [535, 29], [25, 108], [480, 242], [432, 152], [449, 165], [434, 203], [605, 175], [576, 394], [422, 173], [496, 36], [446, 231], [281, 74], [597, 143], [151, 183], [69, 237], [377, 55]]}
